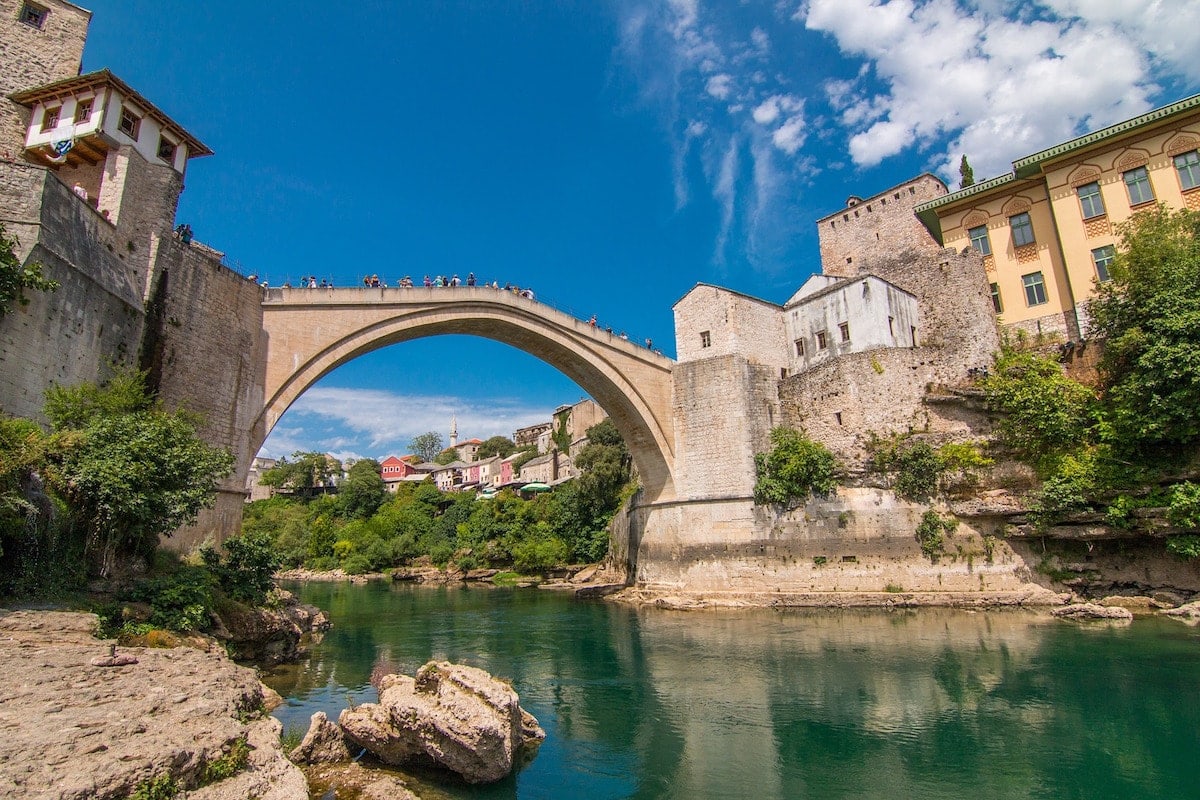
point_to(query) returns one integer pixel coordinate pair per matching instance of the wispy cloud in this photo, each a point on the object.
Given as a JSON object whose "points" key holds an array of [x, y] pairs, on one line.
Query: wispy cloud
{"points": [[743, 95], [375, 423]]}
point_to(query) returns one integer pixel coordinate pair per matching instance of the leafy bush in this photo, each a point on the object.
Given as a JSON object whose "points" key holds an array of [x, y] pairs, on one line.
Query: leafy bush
{"points": [[246, 570], [918, 470], [932, 533], [180, 601], [160, 787], [1186, 547], [1184, 508], [1043, 411], [795, 467]]}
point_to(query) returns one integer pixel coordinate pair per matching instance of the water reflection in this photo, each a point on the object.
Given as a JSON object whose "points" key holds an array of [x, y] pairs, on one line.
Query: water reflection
{"points": [[650, 703]]}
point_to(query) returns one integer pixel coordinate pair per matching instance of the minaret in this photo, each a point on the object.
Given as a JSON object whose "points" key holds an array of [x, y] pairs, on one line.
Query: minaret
{"points": [[453, 431]]}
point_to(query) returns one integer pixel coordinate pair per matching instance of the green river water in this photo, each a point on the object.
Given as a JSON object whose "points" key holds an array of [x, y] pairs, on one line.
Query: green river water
{"points": [[650, 703]]}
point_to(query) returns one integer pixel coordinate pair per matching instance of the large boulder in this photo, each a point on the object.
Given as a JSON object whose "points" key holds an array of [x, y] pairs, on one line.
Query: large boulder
{"points": [[1189, 613], [323, 743], [459, 717]]}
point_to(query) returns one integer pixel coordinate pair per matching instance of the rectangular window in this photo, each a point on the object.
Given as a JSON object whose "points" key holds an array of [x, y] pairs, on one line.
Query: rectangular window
{"points": [[705, 339], [891, 326], [33, 15], [1188, 165], [50, 118], [1022, 229], [1035, 289], [1102, 257], [799, 347], [822, 340], [844, 329], [130, 123], [1090, 200], [83, 111], [979, 240], [166, 151], [996, 304], [1137, 181]]}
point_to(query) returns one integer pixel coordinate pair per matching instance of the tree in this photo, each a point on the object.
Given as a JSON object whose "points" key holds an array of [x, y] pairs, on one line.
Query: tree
{"points": [[495, 446], [364, 490], [446, 456], [303, 475], [426, 445], [15, 278], [129, 470], [1149, 316], [966, 174]]}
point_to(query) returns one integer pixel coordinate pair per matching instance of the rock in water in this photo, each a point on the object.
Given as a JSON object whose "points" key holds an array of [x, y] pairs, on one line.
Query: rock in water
{"points": [[324, 742], [459, 717], [1091, 611]]}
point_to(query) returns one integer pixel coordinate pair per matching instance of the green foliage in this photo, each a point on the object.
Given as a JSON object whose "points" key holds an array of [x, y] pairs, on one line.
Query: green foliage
{"points": [[447, 456], [1071, 487], [932, 532], [245, 570], [1149, 316], [528, 452], [227, 765], [1043, 412], [918, 470], [304, 475], [363, 491], [561, 434], [495, 446], [1185, 547], [426, 445], [963, 457], [129, 471], [1183, 510], [795, 467], [180, 600], [160, 787], [15, 278]]}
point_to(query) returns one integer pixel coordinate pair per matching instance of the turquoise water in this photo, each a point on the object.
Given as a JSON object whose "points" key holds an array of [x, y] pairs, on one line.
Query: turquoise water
{"points": [[651, 703]]}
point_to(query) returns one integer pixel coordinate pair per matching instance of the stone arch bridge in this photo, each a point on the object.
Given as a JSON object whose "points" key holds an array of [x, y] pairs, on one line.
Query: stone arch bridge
{"points": [[312, 331]]}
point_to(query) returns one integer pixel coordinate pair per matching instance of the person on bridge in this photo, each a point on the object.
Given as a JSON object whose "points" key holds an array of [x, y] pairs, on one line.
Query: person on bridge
{"points": [[470, 279], [455, 281], [428, 282], [592, 321]]}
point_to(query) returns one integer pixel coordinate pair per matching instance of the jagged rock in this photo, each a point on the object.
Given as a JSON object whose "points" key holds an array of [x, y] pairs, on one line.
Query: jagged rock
{"points": [[480, 574], [1092, 611], [257, 634], [586, 574], [1189, 613], [269, 775], [457, 716], [324, 742]]}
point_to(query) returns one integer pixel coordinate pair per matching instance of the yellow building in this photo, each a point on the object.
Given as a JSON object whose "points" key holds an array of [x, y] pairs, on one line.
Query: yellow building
{"points": [[1048, 229]]}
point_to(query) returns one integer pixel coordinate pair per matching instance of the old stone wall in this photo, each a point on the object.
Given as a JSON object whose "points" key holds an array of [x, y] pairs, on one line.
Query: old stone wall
{"points": [[206, 352], [95, 318], [844, 403], [857, 540], [885, 223], [711, 321], [33, 57], [724, 409]]}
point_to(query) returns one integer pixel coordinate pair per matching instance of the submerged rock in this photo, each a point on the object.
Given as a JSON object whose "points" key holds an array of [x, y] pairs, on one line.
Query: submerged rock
{"points": [[458, 717], [1189, 613]]}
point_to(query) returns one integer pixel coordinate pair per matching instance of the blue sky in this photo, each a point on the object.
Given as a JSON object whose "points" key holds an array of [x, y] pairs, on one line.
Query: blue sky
{"points": [[610, 155]]}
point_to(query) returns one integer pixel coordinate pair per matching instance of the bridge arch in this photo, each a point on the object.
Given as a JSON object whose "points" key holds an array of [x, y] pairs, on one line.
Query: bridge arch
{"points": [[313, 331]]}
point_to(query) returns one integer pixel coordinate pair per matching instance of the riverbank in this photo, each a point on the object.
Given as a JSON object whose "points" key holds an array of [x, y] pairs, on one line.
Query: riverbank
{"points": [[82, 721]]}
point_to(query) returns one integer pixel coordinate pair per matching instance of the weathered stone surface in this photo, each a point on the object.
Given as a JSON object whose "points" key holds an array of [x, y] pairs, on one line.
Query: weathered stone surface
{"points": [[1189, 613], [457, 716], [323, 742], [387, 787], [1137, 604], [73, 731], [1092, 611], [1170, 599], [260, 635]]}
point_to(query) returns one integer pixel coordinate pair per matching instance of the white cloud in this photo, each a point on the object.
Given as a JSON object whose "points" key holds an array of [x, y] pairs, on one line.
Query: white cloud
{"points": [[766, 112], [789, 137], [975, 78], [719, 86], [376, 423]]}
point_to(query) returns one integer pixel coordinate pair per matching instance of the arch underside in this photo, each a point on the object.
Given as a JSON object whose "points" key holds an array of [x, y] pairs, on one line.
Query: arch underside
{"points": [[638, 404]]}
